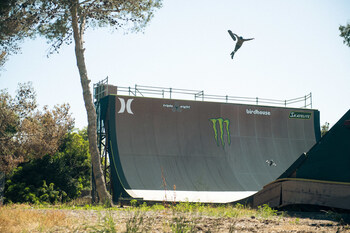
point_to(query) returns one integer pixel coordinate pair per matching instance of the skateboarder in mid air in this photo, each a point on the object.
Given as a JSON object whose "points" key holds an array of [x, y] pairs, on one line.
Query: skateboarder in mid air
{"points": [[239, 43]]}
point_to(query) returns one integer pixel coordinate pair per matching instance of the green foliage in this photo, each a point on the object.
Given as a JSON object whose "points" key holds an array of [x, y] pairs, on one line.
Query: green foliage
{"points": [[67, 172], [62, 21], [105, 225], [26, 132], [15, 24], [52, 19], [14, 111], [135, 222], [108, 225], [29, 194], [188, 207], [139, 222], [181, 224], [229, 211], [324, 129], [265, 211], [133, 202], [83, 133], [345, 33]]}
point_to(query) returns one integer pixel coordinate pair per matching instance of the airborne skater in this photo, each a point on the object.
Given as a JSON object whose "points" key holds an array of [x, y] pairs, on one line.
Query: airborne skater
{"points": [[239, 43]]}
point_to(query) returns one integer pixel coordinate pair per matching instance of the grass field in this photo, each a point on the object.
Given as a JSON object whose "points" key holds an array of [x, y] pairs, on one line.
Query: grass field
{"points": [[183, 217]]}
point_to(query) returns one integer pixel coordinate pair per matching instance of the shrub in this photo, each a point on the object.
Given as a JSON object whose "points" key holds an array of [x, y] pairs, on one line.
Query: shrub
{"points": [[265, 211], [67, 172]]}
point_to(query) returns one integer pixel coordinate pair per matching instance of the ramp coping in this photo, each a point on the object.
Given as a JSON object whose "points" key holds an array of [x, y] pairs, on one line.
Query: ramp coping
{"points": [[198, 95]]}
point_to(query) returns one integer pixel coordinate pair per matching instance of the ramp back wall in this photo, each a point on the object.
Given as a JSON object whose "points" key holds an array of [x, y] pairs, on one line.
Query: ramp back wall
{"points": [[165, 149]]}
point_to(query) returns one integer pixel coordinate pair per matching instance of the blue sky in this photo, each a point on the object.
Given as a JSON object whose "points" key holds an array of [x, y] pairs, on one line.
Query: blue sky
{"points": [[297, 50]]}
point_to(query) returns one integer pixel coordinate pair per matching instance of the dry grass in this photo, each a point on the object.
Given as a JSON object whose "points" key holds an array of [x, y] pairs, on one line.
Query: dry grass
{"points": [[184, 217], [20, 218]]}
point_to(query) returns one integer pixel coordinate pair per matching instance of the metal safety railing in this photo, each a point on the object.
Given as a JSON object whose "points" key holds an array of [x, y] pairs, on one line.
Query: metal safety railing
{"points": [[100, 90], [175, 93]]}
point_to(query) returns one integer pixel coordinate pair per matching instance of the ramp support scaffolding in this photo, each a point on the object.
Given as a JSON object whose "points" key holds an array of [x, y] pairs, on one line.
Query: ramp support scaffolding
{"points": [[100, 90]]}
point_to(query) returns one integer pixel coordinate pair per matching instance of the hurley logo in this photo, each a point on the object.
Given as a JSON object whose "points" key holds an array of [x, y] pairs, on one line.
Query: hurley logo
{"points": [[126, 106]]}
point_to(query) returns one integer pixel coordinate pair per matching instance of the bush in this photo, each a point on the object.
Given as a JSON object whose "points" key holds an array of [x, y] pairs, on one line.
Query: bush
{"points": [[265, 211], [67, 172]]}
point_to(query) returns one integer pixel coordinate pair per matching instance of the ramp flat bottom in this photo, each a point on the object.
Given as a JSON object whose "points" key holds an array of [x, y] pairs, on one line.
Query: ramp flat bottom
{"points": [[190, 196]]}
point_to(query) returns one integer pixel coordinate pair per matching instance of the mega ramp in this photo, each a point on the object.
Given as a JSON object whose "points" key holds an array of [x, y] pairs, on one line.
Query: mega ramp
{"points": [[177, 150]]}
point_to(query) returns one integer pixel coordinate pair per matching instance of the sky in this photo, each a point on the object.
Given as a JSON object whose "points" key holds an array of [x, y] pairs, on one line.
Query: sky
{"points": [[297, 50]]}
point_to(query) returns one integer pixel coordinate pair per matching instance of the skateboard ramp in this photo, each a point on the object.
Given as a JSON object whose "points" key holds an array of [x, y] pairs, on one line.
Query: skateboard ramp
{"points": [[178, 150], [319, 177]]}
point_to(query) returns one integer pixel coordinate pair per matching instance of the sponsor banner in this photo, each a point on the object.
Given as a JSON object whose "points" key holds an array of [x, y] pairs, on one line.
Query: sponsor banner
{"points": [[176, 107], [223, 124], [300, 115], [258, 112], [125, 106]]}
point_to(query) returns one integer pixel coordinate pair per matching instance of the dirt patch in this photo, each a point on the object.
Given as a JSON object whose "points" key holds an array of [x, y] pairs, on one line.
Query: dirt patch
{"points": [[123, 220], [167, 221]]}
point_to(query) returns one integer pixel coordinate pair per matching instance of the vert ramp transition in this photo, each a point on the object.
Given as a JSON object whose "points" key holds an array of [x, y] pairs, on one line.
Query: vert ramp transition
{"points": [[180, 150]]}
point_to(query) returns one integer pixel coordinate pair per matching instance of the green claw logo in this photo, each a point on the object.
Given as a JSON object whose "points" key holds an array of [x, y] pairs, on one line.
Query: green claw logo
{"points": [[222, 122]]}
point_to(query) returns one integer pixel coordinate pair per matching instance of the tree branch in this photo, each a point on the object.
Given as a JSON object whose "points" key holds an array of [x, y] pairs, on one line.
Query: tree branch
{"points": [[83, 2]]}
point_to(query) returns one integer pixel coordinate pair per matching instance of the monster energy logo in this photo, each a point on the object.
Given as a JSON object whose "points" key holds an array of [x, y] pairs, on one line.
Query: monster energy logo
{"points": [[223, 124]]}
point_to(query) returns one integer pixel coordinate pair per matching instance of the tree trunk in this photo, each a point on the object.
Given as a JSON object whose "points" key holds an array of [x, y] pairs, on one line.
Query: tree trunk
{"points": [[2, 187], [89, 106]]}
